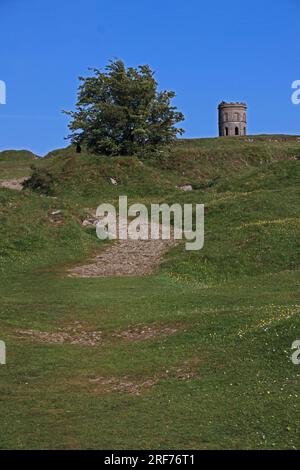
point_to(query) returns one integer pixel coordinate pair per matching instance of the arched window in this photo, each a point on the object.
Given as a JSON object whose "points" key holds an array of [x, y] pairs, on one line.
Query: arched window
{"points": [[226, 117], [226, 131], [244, 130], [236, 116], [237, 131], [244, 117]]}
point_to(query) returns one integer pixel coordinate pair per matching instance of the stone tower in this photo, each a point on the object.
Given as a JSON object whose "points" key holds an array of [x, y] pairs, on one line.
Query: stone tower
{"points": [[232, 119]]}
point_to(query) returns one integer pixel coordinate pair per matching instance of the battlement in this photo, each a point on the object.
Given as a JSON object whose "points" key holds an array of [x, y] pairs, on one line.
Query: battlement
{"points": [[225, 104]]}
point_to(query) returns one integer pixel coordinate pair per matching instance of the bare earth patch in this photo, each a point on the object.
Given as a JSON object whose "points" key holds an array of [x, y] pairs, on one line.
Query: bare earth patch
{"points": [[126, 258], [77, 334], [80, 334], [74, 334], [56, 217], [143, 332], [15, 184], [187, 371], [121, 385]]}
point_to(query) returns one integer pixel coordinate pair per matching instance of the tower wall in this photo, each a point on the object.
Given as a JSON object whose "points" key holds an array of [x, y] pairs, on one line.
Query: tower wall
{"points": [[232, 119]]}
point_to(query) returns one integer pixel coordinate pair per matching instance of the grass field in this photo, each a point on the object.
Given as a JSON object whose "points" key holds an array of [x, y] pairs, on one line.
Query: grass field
{"points": [[224, 378]]}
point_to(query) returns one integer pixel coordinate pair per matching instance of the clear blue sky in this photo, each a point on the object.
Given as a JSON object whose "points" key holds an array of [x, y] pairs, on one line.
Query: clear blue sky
{"points": [[205, 51]]}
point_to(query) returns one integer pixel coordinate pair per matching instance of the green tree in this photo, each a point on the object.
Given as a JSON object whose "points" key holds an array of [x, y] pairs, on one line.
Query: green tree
{"points": [[121, 112]]}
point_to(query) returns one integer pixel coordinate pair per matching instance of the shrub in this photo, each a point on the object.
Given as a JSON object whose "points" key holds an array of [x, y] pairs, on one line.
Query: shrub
{"points": [[41, 181]]}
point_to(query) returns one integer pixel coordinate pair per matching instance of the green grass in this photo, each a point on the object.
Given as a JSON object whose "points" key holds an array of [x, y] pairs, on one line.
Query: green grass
{"points": [[85, 178], [15, 164], [235, 303]]}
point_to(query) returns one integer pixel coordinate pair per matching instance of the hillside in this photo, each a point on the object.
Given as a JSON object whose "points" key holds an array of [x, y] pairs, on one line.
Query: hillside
{"points": [[198, 351], [190, 162], [15, 163]]}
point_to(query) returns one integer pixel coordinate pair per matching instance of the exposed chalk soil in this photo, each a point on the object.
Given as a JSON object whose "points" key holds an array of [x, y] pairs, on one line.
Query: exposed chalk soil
{"points": [[15, 184]]}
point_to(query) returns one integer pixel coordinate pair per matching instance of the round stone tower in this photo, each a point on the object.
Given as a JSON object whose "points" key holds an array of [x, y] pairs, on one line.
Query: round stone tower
{"points": [[232, 119]]}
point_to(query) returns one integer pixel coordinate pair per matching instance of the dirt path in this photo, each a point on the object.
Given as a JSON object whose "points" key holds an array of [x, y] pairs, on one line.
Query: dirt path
{"points": [[15, 184], [126, 258]]}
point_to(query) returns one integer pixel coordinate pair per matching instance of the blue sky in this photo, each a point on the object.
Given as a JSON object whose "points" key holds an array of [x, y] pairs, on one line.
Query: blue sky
{"points": [[205, 51]]}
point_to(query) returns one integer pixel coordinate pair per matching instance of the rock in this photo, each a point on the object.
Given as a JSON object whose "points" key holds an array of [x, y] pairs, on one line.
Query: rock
{"points": [[91, 221], [88, 222], [185, 187]]}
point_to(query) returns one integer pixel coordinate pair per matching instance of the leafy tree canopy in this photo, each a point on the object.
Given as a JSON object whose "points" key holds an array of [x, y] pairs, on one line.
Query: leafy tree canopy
{"points": [[121, 112]]}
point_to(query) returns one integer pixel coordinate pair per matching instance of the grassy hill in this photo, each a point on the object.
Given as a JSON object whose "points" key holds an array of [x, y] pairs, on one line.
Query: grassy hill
{"points": [[225, 379], [191, 161], [15, 163]]}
